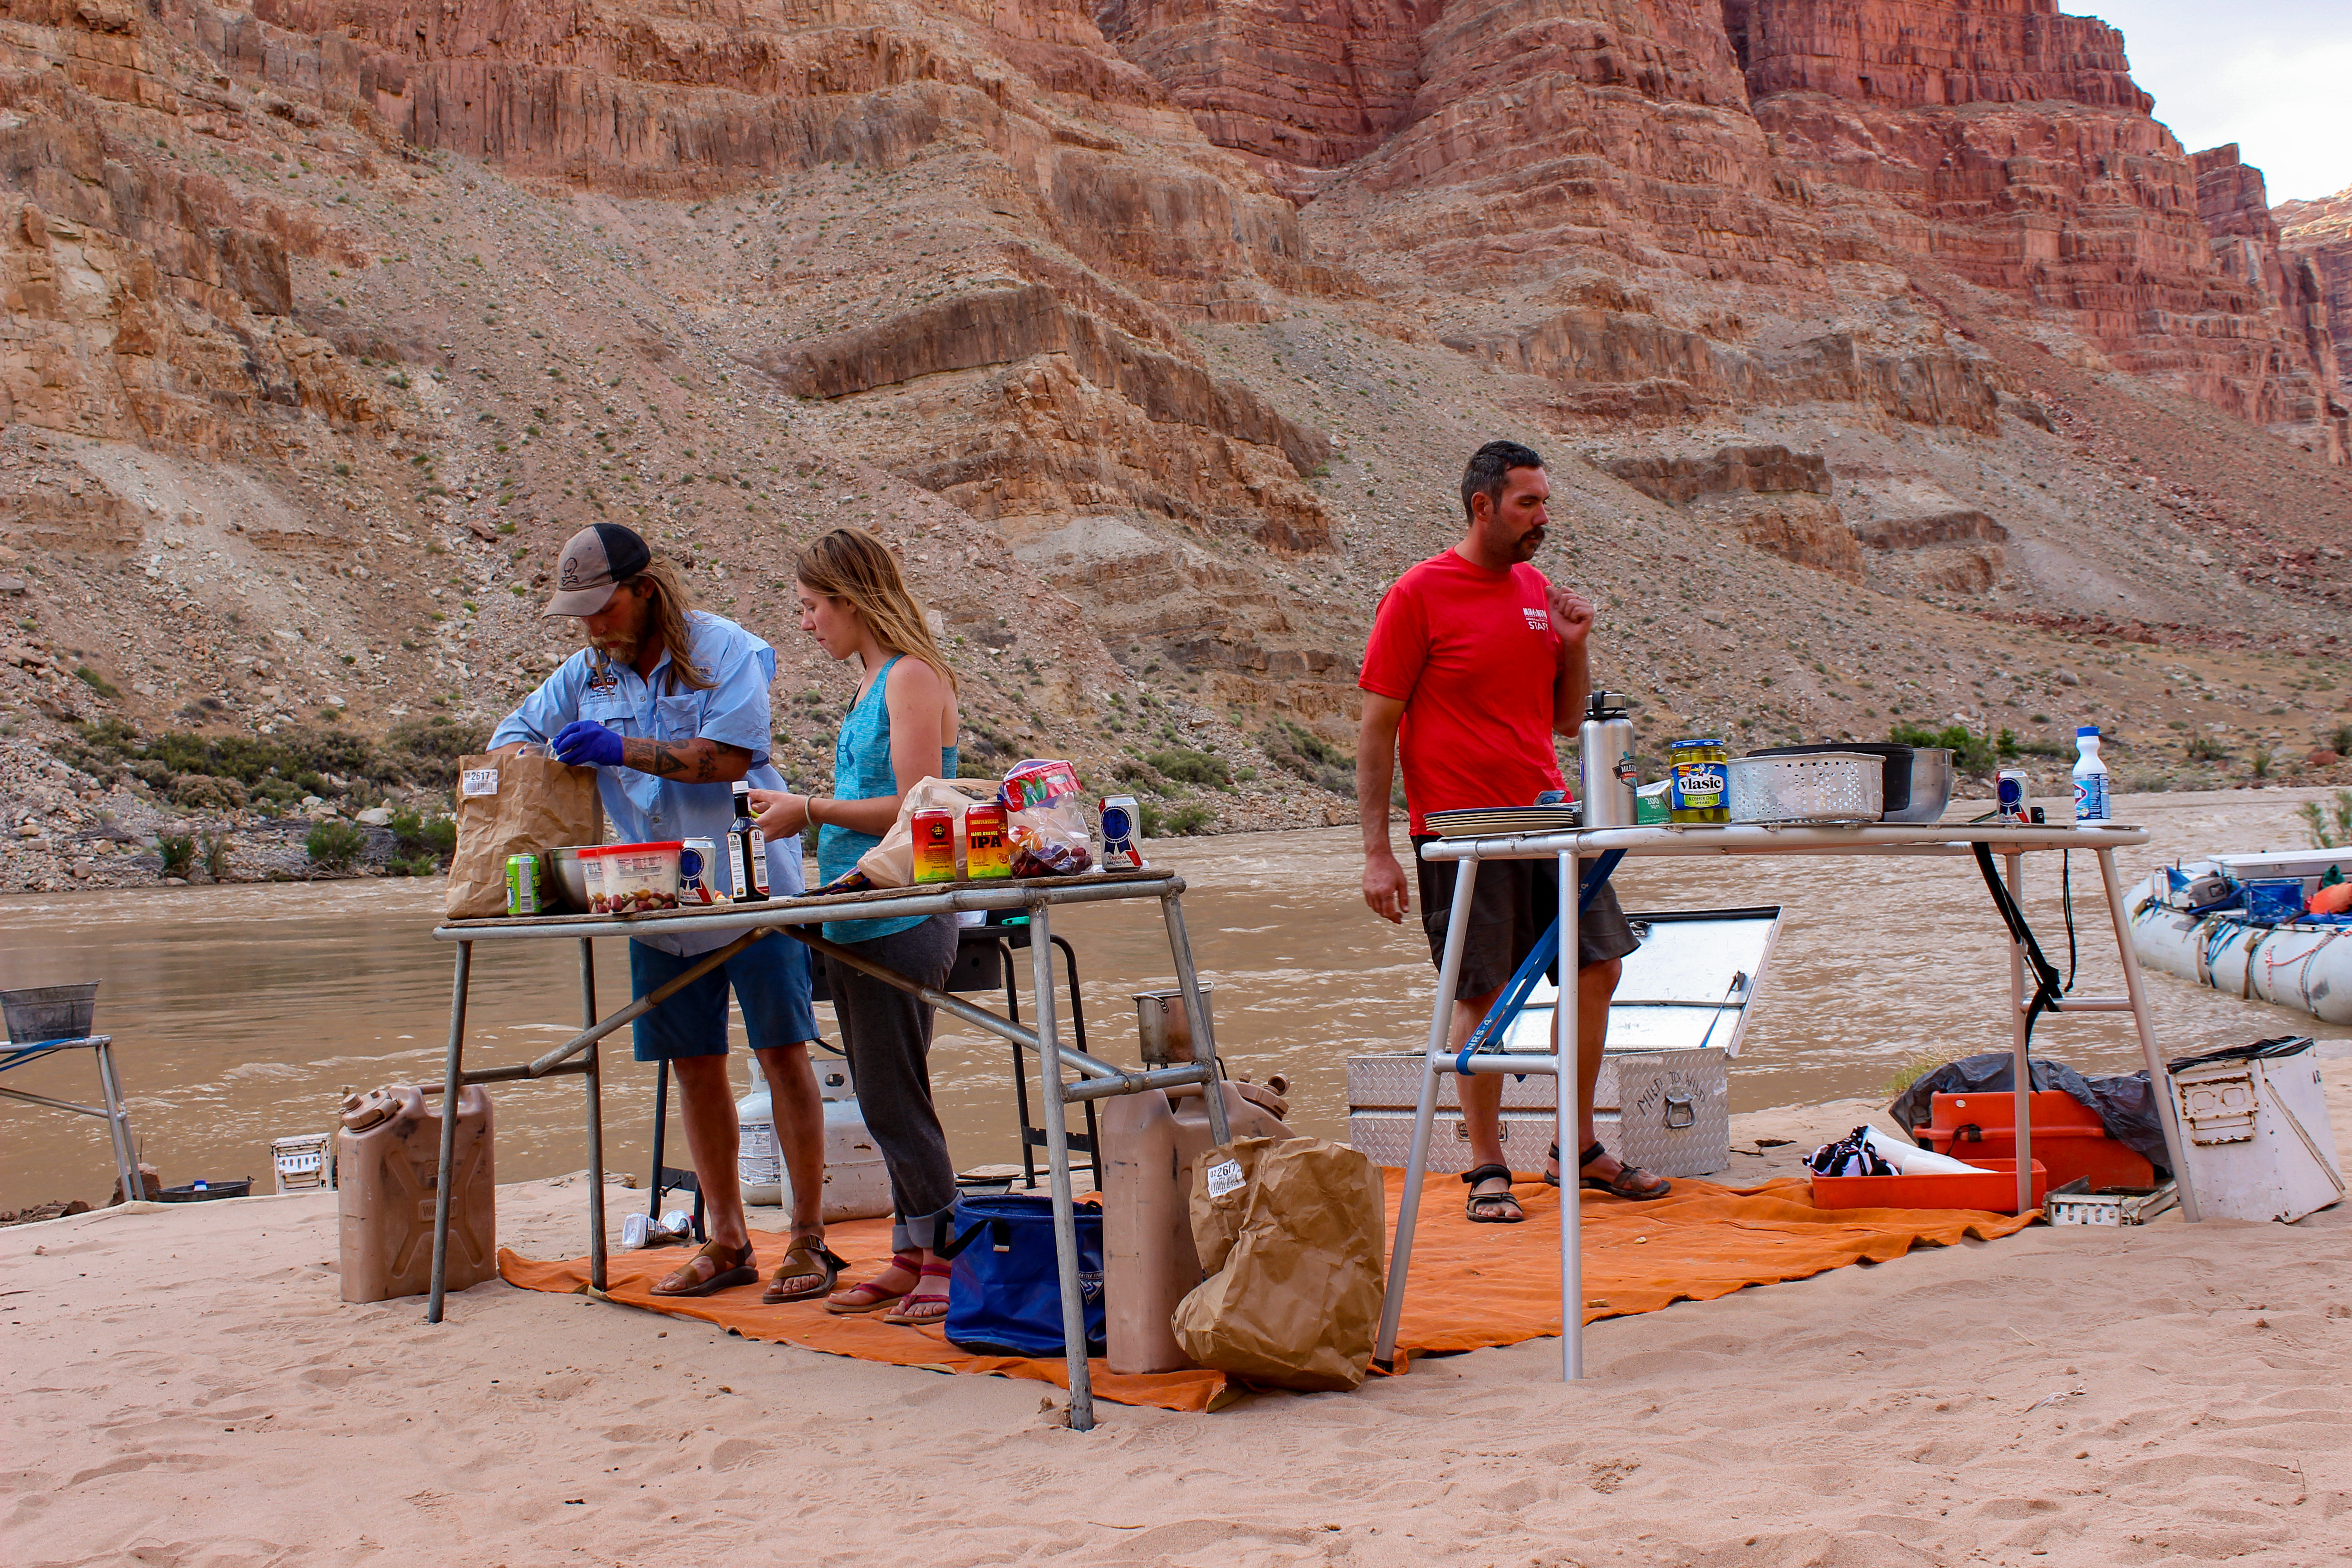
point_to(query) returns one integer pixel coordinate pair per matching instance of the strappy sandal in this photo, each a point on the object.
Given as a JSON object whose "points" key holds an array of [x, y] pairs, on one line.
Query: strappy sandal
{"points": [[717, 1267], [807, 1258], [1630, 1181], [870, 1296], [1470, 1205], [904, 1313]]}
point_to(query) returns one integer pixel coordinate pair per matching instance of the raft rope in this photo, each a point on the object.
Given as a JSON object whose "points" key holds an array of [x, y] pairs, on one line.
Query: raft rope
{"points": [[1488, 1035], [2046, 989]]}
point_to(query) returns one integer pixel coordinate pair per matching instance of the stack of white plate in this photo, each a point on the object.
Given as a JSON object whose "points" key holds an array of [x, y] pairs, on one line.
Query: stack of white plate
{"points": [[1495, 821]]}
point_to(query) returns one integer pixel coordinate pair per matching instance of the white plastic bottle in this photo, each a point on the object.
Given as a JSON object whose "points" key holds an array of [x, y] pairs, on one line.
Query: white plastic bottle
{"points": [[2090, 777]]}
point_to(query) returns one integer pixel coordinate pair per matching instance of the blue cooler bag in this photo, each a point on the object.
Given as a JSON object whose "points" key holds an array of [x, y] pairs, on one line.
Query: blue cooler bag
{"points": [[1004, 1296]]}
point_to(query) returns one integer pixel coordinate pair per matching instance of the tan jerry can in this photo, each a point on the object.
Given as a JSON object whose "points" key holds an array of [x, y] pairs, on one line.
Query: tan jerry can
{"points": [[387, 1159], [1150, 1264]]}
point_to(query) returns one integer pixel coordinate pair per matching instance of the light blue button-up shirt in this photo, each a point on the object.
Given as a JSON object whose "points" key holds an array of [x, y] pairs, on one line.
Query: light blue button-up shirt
{"points": [[645, 808]]}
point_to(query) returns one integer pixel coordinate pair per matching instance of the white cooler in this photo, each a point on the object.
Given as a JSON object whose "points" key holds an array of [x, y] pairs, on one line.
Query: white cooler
{"points": [[2255, 1126], [1662, 1101]]}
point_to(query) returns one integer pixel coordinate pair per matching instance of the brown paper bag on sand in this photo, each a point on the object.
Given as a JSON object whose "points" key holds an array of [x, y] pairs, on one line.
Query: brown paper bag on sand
{"points": [[1293, 1232], [891, 863], [514, 806]]}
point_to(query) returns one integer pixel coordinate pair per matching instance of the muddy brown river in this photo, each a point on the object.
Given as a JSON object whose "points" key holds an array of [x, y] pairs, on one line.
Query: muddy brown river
{"points": [[241, 1013]]}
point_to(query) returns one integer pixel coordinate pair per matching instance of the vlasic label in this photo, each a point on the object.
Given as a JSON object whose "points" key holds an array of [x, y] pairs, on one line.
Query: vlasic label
{"points": [[1700, 786]]}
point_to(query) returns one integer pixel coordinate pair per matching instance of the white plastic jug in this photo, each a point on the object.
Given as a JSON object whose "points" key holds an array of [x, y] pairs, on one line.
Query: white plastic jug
{"points": [[856, 1186]]}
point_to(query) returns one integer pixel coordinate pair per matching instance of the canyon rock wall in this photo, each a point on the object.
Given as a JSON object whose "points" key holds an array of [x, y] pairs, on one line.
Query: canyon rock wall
{"points": [[2007, 143], [2319, 234]]}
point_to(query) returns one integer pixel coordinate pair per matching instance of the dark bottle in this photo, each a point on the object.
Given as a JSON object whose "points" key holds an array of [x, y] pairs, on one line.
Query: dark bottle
{"points": [[747, 850]]}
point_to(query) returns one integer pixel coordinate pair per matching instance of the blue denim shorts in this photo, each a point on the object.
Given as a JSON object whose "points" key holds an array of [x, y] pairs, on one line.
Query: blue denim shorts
{"points": [[771, 980]]}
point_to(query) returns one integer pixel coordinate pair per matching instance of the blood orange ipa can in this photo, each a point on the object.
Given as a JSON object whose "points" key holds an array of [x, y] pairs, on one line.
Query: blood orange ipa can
{"points": [[935, 844], [986, 854]]}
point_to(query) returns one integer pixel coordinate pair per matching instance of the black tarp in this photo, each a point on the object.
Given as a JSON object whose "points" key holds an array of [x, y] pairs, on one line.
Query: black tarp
{"points": [[2125, 1105]]}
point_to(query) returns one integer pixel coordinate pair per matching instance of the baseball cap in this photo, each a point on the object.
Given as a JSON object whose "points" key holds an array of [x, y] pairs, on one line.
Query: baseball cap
{"points": [[595, 560]]}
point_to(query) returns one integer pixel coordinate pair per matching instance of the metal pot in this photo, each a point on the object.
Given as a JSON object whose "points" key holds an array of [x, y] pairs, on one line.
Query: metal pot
{"points": [[571, 876], [1931, 787]]}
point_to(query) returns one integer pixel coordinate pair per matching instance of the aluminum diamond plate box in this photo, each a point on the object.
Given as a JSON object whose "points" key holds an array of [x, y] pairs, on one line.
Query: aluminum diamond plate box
{"points": [[1668, 1112]]}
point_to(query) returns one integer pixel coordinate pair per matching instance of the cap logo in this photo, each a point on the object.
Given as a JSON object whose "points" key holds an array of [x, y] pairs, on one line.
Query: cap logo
{"points": [[571, 577]]}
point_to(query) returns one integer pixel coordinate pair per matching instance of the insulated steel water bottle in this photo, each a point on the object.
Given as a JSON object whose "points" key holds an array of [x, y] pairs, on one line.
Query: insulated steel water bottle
{"points": [[1605, 775]]}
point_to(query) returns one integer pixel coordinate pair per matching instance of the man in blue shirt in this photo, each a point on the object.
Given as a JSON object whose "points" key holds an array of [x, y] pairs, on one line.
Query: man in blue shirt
{"points": [[670, 704]]}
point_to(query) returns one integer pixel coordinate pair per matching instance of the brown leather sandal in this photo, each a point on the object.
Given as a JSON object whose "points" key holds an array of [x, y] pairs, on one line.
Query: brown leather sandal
{"points": [[717, 1267], [1488, 1208], [808, 1257]]}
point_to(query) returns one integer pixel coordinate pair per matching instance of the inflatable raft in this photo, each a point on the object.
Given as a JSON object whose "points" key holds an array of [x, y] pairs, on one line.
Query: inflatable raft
{"points": [[2195, 920]]}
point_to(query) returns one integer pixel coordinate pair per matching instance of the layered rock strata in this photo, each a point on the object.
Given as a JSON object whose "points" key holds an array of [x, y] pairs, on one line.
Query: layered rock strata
{"points": [[2320, 234]]}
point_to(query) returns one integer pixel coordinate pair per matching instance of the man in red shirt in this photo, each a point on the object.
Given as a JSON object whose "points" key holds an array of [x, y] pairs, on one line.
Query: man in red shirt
{"points": [[1475, 661]]}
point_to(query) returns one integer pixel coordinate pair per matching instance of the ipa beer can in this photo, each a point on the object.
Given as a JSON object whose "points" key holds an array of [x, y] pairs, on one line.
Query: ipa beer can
{"points": [[1122, 834], [985, 852], [935, 844], [2011, 788], [523, 886]]}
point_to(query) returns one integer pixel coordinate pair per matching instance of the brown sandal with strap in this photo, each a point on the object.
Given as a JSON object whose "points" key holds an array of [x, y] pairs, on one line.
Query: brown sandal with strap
{"points": [[808, 1257], [872, 1295], [717, 1267]]}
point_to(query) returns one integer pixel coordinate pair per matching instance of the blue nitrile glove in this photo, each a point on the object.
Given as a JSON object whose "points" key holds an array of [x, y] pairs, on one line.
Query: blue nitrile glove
{"points": [[584, 742]]}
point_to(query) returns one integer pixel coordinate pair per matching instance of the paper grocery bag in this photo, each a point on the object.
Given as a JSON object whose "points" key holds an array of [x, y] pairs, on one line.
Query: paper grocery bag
{"points": [[891, 863], [514, 806], [1293, 1231]]}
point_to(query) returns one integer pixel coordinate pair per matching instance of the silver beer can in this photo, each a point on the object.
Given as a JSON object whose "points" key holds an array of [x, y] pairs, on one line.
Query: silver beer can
{"points": [[697, 869], [2009, 788], [1122, 834]]}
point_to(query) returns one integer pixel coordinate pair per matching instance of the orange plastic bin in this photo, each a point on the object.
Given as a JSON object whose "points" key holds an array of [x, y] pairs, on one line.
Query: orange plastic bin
{"points": [[1993, 1190], [2068, 1137]]}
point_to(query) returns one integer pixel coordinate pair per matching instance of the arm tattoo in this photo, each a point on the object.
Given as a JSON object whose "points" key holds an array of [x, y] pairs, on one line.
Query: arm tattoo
{"points": [[698, 760]]}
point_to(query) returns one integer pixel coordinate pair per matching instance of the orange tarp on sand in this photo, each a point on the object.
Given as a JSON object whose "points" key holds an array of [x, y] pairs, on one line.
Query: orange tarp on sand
{"points": [[1471, 1285]]}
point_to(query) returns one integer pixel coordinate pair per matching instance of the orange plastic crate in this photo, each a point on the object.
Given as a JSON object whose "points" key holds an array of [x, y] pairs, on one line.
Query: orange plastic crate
{"points": [[1992, 1191], [2068, 1137]]}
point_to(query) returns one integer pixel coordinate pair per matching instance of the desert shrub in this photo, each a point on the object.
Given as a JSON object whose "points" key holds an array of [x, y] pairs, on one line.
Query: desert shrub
{"points": [[203, 791], [425, 751], [2206, 749], [419, 837], [1298, 749], [333, 843], [214, 850], [1971, 753], [179, 852], [2330, 830], [1187, 766]]}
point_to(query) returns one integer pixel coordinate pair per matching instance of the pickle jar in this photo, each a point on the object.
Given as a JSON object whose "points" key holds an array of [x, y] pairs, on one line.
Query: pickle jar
{"points": [[1702, 781]]}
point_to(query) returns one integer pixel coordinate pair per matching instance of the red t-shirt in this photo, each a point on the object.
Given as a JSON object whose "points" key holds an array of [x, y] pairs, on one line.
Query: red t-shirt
{"points": [[1473, 656]]}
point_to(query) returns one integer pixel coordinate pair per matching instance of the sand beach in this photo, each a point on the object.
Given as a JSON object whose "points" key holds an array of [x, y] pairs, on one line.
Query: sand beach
{"points": [[185, 1389]]}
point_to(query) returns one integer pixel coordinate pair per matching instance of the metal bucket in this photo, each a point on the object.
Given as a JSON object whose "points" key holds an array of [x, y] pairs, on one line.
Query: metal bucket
{"points": [[43, 1013], [1160, 1023]]}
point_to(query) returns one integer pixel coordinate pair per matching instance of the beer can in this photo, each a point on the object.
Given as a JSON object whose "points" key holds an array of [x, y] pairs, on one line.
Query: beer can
{"points": [[525, 885], [1122, 834], [2010, 787], [986, 851], [697, 869], [935, 844]]}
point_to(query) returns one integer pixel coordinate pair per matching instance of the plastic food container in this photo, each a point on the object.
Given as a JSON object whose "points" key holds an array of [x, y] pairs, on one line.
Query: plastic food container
{"points": [[632, 879]]}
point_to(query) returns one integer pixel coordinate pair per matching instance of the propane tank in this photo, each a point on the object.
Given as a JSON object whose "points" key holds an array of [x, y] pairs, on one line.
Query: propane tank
{"points": [[1605, 775]]}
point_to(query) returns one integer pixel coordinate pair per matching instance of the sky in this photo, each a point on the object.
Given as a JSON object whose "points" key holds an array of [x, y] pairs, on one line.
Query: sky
{"points": [[2274, 76]]}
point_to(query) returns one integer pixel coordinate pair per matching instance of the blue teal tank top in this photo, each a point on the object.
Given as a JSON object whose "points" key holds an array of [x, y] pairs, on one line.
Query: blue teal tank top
{"points": [[861, 771]]}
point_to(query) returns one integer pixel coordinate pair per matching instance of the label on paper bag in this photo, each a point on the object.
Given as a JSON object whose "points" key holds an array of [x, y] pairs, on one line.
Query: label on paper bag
{"points": [[477, 781], [1224, 1177]]}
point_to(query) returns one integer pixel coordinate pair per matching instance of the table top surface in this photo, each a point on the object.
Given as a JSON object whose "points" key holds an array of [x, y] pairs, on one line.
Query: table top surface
{"points": [[871, 903], [1765, 838]]}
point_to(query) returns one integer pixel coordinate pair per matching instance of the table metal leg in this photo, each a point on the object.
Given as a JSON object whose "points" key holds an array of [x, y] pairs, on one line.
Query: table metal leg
{"points": [[2020, 1041], [1196, 1015], [449, 1082], [1567, 1118], [592, 1082], [1057, 1163], [1441, 1024], [2159, 1081], [661, 1136], [118, 1124]]}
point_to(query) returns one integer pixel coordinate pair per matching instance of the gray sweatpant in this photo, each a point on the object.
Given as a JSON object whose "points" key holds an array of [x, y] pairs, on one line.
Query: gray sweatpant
{"points": [[887, 1036]]}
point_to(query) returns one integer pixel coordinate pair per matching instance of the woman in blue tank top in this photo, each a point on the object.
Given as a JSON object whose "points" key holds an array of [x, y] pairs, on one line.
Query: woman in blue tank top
{"points": [[900, 730]]}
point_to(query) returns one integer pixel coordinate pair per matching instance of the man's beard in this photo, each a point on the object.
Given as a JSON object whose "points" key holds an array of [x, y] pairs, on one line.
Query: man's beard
{"points": [[1530, 542], [618, 646]]}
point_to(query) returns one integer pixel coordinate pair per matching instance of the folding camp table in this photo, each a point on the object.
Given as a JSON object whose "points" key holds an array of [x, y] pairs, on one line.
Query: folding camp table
{"points": [[2010, 842], [1096, 1080]]}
